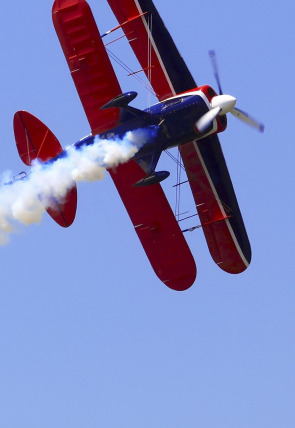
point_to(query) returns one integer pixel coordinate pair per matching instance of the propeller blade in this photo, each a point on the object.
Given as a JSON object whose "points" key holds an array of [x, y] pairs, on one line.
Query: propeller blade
{"points": [[240, 114], [212, 55], [205, 121]]}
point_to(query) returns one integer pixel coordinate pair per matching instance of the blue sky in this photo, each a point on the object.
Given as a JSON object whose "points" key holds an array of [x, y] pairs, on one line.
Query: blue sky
{"points": [[89, 336]]}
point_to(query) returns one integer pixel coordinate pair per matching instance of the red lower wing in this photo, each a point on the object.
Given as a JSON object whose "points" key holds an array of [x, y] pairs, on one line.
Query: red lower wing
{"points": [[156, 227]]}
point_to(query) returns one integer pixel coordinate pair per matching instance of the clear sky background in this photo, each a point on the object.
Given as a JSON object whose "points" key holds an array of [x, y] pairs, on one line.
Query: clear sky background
{"points": [[89, 337]]}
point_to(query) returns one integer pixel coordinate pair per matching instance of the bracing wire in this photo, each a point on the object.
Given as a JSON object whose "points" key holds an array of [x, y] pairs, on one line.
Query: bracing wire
{"points": [[149, 70], [177, 161], [130, 71], [206, 189], [179, 169]]}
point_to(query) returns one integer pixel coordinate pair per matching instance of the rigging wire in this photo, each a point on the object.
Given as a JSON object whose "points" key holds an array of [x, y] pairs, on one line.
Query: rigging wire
{"points": [[116, 40], [129, 70], [179, 169], [205, 188], [149, 88], [177, 161], [149, 70]]}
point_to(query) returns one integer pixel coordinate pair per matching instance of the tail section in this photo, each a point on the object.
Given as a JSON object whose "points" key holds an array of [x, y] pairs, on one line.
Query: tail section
{"points": [[64, 212], [34, 140]]}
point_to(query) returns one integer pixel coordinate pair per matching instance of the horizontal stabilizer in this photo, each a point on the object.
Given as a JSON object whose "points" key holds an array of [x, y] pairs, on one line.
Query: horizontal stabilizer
{"points": [[34, 140], [64, 212]]}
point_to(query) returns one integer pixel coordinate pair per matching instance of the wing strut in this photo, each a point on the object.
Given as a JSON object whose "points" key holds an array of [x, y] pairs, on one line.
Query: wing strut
{"points": [[122, 25]]}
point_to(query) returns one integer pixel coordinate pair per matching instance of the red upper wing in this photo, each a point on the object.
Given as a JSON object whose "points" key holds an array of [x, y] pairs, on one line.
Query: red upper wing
{"points": [[88, 61], [96, 84]]}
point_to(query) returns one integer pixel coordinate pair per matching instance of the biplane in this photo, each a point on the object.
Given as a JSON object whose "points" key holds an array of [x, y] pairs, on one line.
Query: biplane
{"points": [[186, 115]]}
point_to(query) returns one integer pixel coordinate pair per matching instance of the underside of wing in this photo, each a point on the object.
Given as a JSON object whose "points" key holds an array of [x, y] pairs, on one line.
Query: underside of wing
{"points": [[156, 227], [217, 205], [88, 61], [153, 47]]}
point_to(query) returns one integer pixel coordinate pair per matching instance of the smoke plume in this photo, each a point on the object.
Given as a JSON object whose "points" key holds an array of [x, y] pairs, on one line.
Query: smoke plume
{"points": [[20, 200]]}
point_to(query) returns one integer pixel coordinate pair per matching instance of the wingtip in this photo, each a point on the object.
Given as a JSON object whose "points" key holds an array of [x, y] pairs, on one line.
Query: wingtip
{"points": [[63, 4], [182, 283]]}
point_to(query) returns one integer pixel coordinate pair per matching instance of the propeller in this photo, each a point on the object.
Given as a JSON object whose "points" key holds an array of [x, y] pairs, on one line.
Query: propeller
{"points": [[204, 122], [215, 70], [244, 117], [222, 104]]}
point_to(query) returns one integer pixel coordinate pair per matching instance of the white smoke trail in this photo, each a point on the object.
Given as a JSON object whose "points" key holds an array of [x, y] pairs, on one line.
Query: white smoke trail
{"points": [[20, 201]]}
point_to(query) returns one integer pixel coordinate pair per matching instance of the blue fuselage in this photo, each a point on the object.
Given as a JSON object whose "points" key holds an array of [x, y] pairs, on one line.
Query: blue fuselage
{"points": [[174, 118]]}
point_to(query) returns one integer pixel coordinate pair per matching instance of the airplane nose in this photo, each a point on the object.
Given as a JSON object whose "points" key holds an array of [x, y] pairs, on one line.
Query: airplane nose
{"points": [[225, 102]]}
